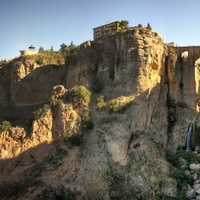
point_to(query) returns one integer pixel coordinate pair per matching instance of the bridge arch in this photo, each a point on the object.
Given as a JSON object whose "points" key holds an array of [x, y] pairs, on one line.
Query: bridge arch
{"points": [[190, 69]]}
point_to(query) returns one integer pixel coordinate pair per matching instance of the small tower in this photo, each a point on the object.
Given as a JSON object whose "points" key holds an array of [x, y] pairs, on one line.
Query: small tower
{"points": [[32, 47]]}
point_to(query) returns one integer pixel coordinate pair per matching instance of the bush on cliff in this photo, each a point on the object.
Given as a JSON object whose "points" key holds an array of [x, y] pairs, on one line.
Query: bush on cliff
{"points": [[101, 102], [79, 95], [41, 111], [119, 105], [5, 126]]}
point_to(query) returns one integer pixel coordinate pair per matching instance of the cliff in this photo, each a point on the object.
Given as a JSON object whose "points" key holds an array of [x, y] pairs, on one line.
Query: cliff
{"points": [[108, 149]]}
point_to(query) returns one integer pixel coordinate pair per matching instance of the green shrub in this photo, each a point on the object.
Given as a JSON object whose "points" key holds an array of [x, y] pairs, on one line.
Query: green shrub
{"points": [[79, 95], [86, 121], [39, 60], [180, 178], [178, 173], [53, 101], [188, 156], [101, 102], [112, 176], [115, 183], [118, 106], [41, 111], [56, 193], [97, 85], [5, 126], [73, 138]]}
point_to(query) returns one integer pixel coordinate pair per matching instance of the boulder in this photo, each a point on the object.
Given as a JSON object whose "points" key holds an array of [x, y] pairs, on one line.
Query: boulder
{"points": [[190, 193], [194, 167]]}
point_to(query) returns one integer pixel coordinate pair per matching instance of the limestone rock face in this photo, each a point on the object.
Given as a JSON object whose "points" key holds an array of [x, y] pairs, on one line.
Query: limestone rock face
{"points": [[132, 61], [124, 154], [15, 141], [66, 121], [25, 83]]}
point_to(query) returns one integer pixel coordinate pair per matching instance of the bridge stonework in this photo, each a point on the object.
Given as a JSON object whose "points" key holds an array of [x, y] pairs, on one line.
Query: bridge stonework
{"points": [[190, 77]]}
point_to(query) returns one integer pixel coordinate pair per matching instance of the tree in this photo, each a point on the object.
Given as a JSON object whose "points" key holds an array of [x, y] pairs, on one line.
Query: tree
{"points": [[41, 49], [72, 49], [124, 24], [79, 95], [149, 26], [63, 49]]}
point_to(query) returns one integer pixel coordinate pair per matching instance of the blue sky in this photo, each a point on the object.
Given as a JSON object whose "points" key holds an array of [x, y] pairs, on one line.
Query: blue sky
{"points": [[49, 23]]}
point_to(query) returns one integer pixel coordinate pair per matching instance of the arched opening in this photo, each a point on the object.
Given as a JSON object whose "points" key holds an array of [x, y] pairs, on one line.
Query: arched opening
{"points": [[184, 55], [197, 75], [198, 105]]}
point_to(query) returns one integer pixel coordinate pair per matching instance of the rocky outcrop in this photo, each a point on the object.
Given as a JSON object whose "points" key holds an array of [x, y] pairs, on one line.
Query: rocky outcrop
{"points": [[123, 156], [15, 141], [26, 83]]}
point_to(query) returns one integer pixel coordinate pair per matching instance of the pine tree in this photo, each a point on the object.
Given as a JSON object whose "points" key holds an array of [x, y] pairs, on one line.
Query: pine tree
{"points": [[149, 26]]}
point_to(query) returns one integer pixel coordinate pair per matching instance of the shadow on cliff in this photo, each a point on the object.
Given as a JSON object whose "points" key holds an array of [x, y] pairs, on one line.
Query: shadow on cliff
{"points": [[31, 92], [35, 169]]}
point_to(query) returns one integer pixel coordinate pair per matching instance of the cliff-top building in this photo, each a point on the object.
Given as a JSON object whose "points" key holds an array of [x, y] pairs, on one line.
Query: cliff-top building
{"points": [[106, 29]]}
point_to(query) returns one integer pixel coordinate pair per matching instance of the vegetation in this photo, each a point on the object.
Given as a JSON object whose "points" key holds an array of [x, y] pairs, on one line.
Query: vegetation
{"points": [[17, 188], [115, 183], [172, 113], [119, 106], [39, 60], [149, 26], [124, 24], [188, 156], [59, 192], [53, 101], [73, 138], [180, 161], [70, 53], [97, 85], [52, 159], [197, 135], [101, 104], [41, 112], [5, 126], [87, 123], [79, 95], [45, 57]]}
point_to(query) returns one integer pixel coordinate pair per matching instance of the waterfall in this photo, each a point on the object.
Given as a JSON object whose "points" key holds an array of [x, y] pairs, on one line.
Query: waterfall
{"points": [[189, 137]]}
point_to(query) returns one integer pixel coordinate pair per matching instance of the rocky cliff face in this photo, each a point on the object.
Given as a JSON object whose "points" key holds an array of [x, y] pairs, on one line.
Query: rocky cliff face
{"points": [[123, 156]]}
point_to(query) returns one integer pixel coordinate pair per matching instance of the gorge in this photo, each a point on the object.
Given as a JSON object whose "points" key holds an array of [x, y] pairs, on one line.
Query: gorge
{"points": [[103, 122]]}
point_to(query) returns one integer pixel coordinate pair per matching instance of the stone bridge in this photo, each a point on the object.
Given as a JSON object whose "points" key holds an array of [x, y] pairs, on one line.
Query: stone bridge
{"points": [[191, 74]]}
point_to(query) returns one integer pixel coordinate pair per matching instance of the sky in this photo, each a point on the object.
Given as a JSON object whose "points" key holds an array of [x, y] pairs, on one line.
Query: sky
{"points": [[46, 23]]}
